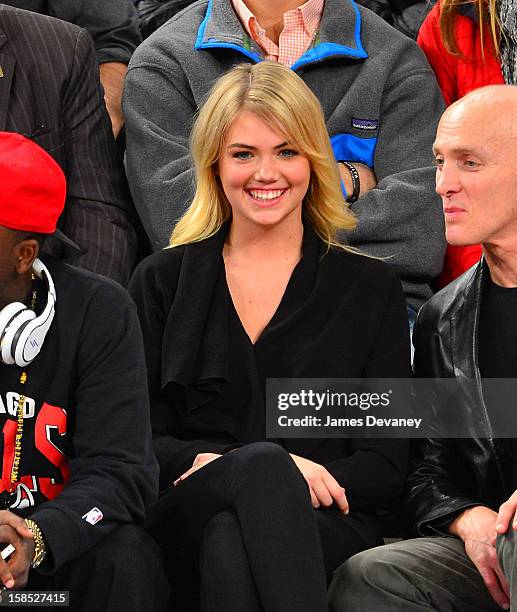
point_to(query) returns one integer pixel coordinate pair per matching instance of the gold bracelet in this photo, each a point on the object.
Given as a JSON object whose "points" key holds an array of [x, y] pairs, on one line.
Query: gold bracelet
{"points": [[40, 550]]}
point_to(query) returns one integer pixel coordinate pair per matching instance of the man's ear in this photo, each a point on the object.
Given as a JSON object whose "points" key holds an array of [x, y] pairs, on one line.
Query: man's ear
{"points": [[25, 253]]}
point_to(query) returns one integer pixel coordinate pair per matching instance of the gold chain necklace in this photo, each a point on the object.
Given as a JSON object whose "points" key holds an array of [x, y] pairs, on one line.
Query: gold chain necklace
{"points": [[19, 418]]}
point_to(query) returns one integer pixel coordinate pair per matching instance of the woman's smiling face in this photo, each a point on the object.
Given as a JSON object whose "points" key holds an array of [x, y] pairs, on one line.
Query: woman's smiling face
{"points": [[264, 177]]}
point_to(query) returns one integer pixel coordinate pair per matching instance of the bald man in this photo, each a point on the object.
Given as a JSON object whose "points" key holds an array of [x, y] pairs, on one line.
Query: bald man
{"points": [[461, 492]]}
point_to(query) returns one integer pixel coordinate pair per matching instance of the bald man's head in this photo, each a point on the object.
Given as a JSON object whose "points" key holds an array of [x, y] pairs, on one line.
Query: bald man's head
{"points": [[494, 107], [476, 160]]}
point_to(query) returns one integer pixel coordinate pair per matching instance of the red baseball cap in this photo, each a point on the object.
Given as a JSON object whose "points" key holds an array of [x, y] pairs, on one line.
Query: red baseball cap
{"points": [[32, 186]]}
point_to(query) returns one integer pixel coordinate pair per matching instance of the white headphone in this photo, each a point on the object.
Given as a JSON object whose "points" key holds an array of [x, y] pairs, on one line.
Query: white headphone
{"points": [[22, 332]]}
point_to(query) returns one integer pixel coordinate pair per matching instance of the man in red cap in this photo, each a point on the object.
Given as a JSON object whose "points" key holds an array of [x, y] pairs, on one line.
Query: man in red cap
{"points": [[77, 466]]}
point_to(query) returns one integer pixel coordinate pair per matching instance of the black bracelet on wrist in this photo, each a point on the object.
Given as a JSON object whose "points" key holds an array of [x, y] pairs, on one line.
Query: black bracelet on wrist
{"points": [[356, 182]]}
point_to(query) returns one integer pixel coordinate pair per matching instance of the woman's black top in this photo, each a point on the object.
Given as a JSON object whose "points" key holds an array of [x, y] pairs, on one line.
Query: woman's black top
{"points": [[342, 316]]}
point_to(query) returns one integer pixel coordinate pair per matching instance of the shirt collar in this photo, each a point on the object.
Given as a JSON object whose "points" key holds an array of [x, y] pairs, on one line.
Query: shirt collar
{"points": [[311, 13]]}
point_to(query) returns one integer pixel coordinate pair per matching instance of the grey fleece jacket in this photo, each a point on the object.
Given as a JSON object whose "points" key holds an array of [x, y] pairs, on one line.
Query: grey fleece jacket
{"points": [[381, 104]]}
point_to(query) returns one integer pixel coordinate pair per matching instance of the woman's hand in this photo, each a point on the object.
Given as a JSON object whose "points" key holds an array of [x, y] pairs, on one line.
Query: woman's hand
{"points": [[323, 487], [201, 460]]}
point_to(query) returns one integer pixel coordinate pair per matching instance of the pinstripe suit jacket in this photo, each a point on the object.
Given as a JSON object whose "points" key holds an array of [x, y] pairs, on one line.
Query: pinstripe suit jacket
{"points": [[50, 91]]}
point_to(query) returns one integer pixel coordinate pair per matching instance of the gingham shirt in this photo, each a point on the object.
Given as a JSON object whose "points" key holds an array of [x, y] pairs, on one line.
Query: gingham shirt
{"points": [[300, 27]]}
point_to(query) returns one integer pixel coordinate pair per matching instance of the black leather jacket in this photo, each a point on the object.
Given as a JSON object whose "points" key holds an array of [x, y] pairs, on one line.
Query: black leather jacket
{"points": [[450, 475]]}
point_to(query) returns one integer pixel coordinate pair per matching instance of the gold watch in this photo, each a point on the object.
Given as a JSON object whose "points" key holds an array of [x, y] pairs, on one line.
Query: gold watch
{"points": [[40, 550]]}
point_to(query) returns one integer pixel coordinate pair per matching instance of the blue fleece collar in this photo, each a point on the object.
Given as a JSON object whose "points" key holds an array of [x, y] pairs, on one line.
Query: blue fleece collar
{"points": [[319, 52]]}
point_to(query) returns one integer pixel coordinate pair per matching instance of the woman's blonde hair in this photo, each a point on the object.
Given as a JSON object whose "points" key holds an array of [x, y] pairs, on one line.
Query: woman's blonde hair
{"points": [[486, 11], [280, 98]]}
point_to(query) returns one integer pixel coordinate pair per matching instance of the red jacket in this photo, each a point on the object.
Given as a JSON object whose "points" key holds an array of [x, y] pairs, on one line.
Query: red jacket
{"points": [[456, 77]]}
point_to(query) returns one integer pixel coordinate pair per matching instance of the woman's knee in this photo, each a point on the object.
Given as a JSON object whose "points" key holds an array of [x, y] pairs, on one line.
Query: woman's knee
{"points": [[264, 458]]}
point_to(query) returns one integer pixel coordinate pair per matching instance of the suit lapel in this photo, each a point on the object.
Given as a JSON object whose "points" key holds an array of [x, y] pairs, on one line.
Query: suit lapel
{"points": [[7, 66]]}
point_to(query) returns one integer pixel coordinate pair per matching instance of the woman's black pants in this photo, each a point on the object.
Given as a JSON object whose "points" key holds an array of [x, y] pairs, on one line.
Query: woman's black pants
{"points": [[240, 535]]}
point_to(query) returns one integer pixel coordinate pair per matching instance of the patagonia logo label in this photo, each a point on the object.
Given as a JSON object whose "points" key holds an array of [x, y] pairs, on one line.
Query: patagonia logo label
{"points": [[365, 124]]}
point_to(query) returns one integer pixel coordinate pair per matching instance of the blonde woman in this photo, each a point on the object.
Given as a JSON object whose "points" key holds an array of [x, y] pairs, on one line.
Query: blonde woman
{"points": [[469, 45], [256, 285]]}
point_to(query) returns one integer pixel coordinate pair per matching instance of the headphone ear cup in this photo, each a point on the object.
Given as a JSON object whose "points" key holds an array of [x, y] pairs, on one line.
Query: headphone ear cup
{"points": [[29, 341], [13, 318], [22, 332], [6, 316], [7, 313]]}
